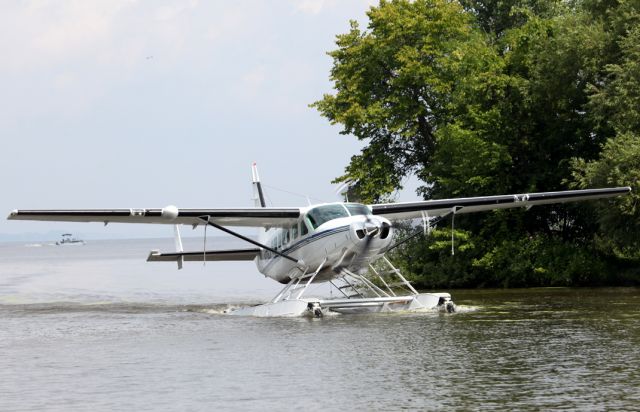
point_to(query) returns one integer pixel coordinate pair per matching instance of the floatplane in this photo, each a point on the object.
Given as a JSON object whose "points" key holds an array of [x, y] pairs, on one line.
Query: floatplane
{"points": [[340, 243]]}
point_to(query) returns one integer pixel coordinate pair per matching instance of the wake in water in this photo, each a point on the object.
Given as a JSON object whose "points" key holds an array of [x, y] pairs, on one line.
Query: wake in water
{"points": [[29, 309], [466, 308], [33, 245], [60, 307]]}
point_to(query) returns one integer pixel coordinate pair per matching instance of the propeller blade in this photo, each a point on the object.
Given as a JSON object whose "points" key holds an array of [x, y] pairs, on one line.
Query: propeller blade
{"points": [[369, 233]]}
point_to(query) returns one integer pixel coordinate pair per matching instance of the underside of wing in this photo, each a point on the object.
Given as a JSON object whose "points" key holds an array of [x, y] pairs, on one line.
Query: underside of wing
{"points": [[441, 207], [208, 255], [249, 217]]}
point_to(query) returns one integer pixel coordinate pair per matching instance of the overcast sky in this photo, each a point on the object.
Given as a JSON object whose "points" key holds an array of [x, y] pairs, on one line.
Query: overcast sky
{"points": [[149, 103]]}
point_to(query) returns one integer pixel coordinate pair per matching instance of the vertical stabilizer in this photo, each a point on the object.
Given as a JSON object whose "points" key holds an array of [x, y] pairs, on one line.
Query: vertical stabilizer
{"points": [[258, 196]]}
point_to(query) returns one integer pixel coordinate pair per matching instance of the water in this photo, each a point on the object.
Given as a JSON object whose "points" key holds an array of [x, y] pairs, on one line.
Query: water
{"points": [[96, 328]]}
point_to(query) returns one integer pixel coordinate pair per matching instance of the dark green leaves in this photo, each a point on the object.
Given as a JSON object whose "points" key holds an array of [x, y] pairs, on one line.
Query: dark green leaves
{"points": [[482, 97], [420, 65]]}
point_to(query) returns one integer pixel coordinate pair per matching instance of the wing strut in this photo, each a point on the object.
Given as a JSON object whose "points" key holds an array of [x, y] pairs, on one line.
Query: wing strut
{"points": [[178, 242], [205, 219], [453, 228]]}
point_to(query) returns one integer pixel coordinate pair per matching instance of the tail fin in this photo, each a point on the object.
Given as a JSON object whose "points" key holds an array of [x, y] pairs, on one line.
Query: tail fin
{"points": [[258, 196]]}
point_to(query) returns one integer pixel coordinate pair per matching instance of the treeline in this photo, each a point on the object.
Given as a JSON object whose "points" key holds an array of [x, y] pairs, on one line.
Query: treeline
{"points": [[482, 97]]}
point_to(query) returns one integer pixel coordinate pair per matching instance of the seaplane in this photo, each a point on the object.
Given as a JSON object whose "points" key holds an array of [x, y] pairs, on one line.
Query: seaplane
{"points": [[342, 244]]}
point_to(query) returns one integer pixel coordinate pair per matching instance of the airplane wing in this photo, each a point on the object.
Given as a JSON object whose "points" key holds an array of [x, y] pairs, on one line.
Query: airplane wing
{"points": [[248, 217], [441, 207], [209, 255]]}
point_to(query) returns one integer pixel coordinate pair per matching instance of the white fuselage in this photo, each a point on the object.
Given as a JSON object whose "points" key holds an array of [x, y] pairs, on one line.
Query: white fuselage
{"points": [[336, 236]]}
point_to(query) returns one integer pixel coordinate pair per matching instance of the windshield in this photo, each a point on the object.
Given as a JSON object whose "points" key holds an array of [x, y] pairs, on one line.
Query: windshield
{"points": [[357, 209], [325, 213]]}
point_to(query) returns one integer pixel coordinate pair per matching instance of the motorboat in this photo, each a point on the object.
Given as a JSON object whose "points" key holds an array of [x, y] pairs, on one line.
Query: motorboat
{"points": [[68, 239]]}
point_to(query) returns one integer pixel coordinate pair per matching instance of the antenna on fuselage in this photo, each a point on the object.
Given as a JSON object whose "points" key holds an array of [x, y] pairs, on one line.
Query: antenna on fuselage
{"points": [[258, 196]]}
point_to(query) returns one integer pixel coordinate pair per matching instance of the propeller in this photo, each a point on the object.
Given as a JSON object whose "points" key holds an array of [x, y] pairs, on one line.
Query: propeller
{"points": [[367, 233], [368, 230], [371, 229]]}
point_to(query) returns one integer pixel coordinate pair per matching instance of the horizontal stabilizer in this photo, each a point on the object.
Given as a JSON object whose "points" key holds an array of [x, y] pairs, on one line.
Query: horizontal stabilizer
{"points": [[209, 255]]}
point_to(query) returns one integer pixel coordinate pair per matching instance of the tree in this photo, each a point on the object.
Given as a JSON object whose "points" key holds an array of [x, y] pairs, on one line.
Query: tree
{"points": [[615, 106], [420, 65], [477, 103], [498, 16], [615, 101], [619, 165]]}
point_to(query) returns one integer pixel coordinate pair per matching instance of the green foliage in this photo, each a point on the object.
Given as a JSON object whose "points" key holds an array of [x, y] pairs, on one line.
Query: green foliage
{"points": [[466, 165], [497, 16], [419, 65], [619, 218], [482, 97], [542, 261], [550, 63], [616, 102], [539, 260], [428, 262]]}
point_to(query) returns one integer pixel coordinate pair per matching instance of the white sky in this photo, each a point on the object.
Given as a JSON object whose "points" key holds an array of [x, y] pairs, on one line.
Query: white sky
{"points": [[149, 103]]}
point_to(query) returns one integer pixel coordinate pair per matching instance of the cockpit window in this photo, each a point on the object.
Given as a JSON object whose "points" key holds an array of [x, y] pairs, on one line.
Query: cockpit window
{"points": [[357, 209], [325, 213]]}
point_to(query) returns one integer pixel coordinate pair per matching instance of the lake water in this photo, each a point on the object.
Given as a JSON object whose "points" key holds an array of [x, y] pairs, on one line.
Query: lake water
{"points": [[97, 328]]}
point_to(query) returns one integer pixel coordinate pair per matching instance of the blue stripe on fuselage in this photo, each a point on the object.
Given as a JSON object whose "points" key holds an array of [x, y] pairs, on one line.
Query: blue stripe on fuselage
{"points": [[303, 242]]}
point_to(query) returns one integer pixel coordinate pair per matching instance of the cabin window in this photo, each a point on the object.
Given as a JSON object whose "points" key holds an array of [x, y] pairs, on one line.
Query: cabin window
{"points": [[356, 209], [303, 228], [321, 214], [285, 237], [294, 232], [311, 221]]}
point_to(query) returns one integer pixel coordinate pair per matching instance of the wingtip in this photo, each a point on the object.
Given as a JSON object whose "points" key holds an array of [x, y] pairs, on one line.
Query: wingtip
{"points": [[12, 214], [152, 254]]}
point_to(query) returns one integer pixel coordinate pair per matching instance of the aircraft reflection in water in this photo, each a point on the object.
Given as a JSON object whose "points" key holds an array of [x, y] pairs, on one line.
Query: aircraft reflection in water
{"points": [[335, 242]]}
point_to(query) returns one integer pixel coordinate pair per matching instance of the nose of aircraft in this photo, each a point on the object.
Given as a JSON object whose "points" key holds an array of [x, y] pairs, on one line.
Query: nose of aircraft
{"points": [[376, 232]]}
